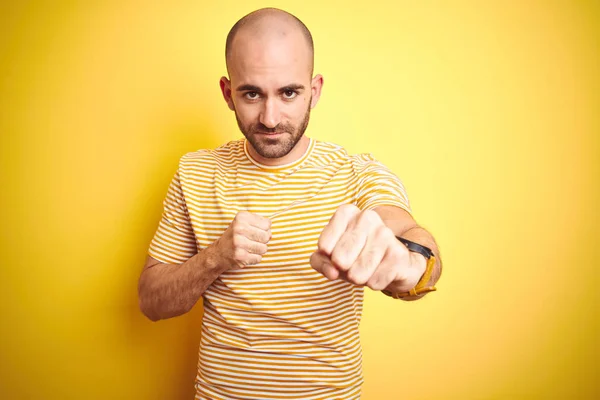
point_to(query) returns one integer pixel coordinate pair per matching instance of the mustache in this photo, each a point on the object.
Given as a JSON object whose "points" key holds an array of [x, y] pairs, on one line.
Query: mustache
{"points": [[278, 129]]}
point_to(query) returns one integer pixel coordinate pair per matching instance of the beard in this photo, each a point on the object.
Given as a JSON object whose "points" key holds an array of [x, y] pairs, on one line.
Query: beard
{"points": [[274, 147]]}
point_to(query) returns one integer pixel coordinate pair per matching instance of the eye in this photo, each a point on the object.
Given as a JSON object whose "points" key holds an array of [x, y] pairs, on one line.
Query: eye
{"points": [[251, 95], [290, 94]]}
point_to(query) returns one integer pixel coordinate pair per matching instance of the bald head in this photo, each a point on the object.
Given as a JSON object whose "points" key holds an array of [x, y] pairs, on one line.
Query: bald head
{"points": [[264, 26]]}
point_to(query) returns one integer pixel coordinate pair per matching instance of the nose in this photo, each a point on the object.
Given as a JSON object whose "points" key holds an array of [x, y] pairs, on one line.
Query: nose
{"points": [[270, 115]]}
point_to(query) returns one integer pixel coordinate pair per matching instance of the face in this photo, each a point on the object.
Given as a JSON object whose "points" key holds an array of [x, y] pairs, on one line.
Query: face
{"points": [[271, 92], [274, 142]]}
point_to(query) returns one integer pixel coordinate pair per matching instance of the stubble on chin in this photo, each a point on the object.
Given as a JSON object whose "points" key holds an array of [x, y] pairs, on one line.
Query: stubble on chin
{"points": [[272, 148]]}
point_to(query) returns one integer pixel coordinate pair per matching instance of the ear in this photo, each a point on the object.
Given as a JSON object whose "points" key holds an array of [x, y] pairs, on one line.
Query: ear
{"points": [[315, 86], [226, 90]]}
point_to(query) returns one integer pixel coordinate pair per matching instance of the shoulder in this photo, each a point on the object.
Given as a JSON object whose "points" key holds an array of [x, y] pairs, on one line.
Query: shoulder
{"points": [[226, 154], [328, 147], [325, 153], [364, 161], [366, 165]]}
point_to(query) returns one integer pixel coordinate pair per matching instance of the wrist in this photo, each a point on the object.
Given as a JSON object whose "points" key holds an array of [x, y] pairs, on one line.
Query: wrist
{"points": [[214, 261], [416, 276]]}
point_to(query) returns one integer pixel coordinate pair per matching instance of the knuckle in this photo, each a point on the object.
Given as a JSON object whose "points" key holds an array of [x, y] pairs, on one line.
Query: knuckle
{"points": [[374, 282], [356, 276], [265, 237], [369, 217], [238, 228], [375, 215], [268, 221], [237, 240], [323, 245], [239, 254], [381, 281], [347, 209], [382, 232], [367, 259], [349, 241], [255, 259], [261, 249], [374, 285], [339, 259]]}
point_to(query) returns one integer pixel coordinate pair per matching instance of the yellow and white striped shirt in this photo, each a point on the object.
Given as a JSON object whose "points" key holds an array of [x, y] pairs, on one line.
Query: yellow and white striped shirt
{"points": [[278, 329]]}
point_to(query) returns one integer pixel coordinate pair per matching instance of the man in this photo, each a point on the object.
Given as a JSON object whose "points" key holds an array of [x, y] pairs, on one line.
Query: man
{"points": [[279, 233]]}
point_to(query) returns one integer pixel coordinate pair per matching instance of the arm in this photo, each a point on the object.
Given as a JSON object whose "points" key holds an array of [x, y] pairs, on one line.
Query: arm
{"points": [[359, 243], [169, 290], [358, 246], [403, 225], [176, 273]]}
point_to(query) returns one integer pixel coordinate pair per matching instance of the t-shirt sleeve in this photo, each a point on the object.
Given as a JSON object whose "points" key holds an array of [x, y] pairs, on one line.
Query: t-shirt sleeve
{"points": [[378, 185], [174, 241]]}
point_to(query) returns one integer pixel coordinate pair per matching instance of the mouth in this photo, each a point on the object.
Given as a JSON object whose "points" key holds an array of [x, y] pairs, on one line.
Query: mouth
{"points": [[270, 133]]}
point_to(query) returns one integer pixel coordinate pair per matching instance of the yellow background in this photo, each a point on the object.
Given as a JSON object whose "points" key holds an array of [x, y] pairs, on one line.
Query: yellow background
{"points": [[488, 112]]}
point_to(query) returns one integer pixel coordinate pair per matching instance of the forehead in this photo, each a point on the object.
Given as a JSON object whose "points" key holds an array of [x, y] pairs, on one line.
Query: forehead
{"points": [[270, 61]]}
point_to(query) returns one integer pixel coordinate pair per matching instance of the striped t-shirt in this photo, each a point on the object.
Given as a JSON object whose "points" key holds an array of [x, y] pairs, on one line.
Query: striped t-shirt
{"points": [[277, 329]]}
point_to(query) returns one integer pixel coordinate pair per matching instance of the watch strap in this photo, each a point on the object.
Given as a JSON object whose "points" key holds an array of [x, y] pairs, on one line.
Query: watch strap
{"points": [[421, 286], [416, 247]]}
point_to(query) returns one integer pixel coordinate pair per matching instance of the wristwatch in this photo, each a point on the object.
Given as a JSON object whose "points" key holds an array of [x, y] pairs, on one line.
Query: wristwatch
{"points": [[421, 286]]}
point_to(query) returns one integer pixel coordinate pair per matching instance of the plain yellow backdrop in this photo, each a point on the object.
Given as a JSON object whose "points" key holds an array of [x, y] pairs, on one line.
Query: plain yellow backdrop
{"points": [[488, 112]]}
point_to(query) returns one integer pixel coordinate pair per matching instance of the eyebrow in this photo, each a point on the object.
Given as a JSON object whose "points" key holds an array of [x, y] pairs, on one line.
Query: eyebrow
{"points": [[293, 86], [248, 87], [252, 88]]}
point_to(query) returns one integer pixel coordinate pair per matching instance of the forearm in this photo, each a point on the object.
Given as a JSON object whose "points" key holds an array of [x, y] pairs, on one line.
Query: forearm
{"points": [[169, 290], [421, 236]]}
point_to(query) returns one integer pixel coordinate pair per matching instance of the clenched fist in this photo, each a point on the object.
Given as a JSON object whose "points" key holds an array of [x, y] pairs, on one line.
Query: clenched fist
{"points": [[358, 247], [245, 240]]}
